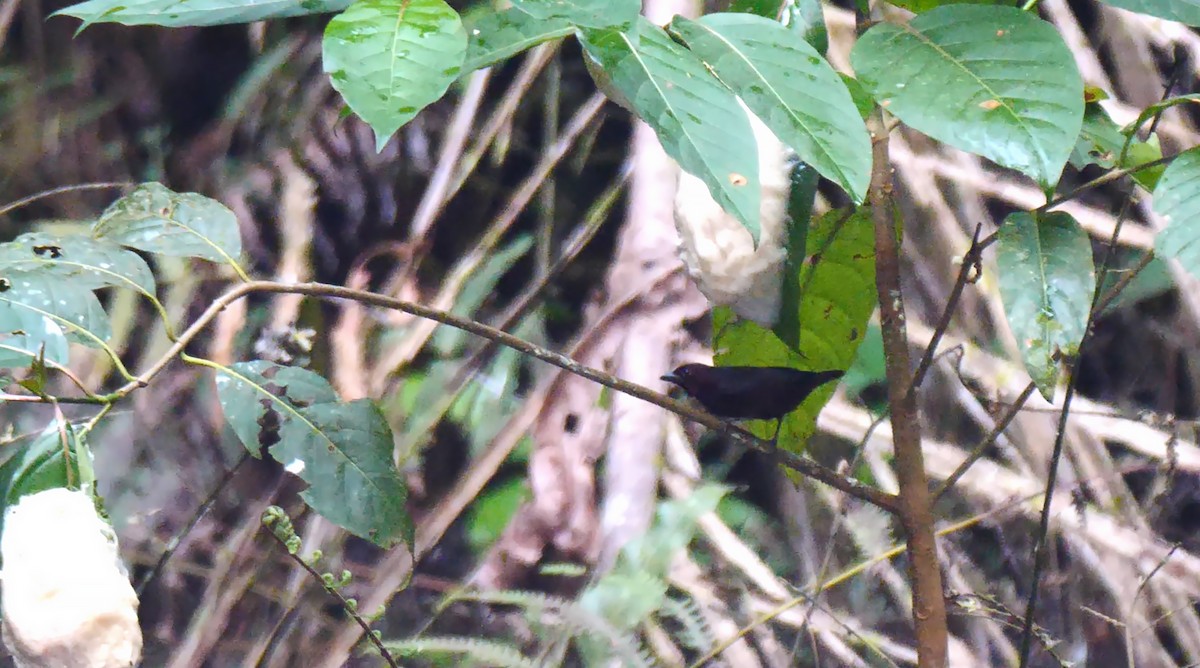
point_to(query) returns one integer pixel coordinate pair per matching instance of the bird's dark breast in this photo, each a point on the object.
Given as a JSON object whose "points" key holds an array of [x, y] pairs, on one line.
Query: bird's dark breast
{"points": [[760, 393]]}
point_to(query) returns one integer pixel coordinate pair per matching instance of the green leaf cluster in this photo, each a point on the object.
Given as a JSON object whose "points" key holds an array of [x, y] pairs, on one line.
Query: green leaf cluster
{"points": [[48, 282], [343, 450]]}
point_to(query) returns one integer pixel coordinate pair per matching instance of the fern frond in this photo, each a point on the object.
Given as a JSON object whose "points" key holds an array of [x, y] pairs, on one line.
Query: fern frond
{"points": [[487, 652], [696, 633]]}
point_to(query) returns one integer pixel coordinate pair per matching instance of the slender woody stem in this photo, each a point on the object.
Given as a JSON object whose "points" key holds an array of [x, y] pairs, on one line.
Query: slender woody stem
{"points": [[929, 606]]}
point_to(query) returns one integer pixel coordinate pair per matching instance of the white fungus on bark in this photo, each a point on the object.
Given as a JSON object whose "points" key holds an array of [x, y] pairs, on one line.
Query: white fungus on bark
{"points": [[719, 253], [67, 600]]}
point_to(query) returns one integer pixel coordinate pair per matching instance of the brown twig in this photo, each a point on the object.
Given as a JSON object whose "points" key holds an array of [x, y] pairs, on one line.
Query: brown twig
{"points": [[25, 201], [971, 261], [929, 607], [801, 465], [987, 442]]}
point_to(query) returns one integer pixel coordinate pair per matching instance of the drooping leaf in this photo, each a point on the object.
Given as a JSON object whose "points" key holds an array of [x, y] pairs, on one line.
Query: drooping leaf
{"points": [[599, 14], [804, 181], [995, 81], [1047, 281], [342, 450], [1177, 200], [153, 218], [698, 121], [837, 296], [175, 13], [788, 85], [85, 261], [391, 58], [498, 35], [50, 460], [62, 306], [1184, 11]]}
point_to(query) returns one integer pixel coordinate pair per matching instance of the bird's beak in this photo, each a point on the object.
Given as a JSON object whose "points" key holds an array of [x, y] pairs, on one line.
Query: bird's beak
{"points": [[671, 378]]}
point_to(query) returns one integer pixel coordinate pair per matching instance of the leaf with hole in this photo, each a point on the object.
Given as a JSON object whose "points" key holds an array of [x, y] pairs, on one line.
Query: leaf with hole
{"points": [[699, 121], [1047, 281], [390, 59], [342, 450], [62, 307], [788, 85], [85, 261], [153, 218], [994, 81]]}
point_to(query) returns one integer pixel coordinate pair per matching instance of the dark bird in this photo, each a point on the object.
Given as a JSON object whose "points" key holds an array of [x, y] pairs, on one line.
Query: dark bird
{"points": [[749, 392]]}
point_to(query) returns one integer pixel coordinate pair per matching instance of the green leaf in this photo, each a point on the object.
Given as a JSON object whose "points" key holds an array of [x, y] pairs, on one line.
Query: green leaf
{"points": [[807, 19], [1159, 107], [765, 8], [490, 514], [1152, 281], [86, 262], [175, 14], [599, 14], [1141, 153], [837, 288], [1184, 11], [994, 81], [919, 6], [863, 101], [1047, 282], [62, 306], [342, 450], [788, 85], [391, 58], [870, 364], [1177, 200], [804, 181], [496, 36], [155, 219], [1100, 139], [1101, 142], [26, 336], [699, 122], [43, 462]]}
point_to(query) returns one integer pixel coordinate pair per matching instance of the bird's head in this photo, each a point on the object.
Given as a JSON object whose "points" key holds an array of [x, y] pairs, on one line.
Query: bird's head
{"points": [[689, 376]]}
